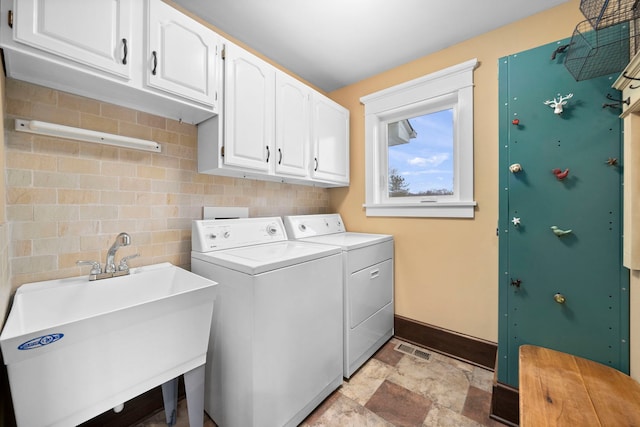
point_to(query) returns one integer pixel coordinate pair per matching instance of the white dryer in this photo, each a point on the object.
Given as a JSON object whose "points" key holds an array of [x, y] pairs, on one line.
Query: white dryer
{"points": [[368, 282], [276, 338]]}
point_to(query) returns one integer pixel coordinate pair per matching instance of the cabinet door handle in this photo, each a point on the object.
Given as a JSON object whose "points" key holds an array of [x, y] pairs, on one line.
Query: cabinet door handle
{"points": [[268, 154], [155, 62], [375, 273], [126, 51], [315, 169], [280, 156]]}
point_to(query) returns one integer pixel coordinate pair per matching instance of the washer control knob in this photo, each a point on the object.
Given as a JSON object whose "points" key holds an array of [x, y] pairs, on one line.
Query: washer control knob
{"points": [[302, 227], [226, 234], [213, 236], [272, 229]]}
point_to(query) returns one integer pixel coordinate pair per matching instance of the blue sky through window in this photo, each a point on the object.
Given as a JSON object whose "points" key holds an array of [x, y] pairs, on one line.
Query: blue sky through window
{"points": [[426, 161]]}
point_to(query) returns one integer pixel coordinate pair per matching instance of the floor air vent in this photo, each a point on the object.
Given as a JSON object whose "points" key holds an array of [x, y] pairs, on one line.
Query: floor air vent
{"points": [[413, 351]]}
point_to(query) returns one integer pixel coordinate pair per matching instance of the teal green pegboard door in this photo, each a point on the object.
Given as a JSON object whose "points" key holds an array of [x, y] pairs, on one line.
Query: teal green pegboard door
{"points": [[585, 266]]}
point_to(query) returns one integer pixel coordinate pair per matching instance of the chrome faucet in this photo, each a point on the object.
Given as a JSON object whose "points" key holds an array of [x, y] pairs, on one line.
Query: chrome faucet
{"points": [[110, 270], [123, 239]]}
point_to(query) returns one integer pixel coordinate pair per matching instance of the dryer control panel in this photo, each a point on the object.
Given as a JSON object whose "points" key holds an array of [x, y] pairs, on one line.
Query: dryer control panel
{"points": [[214, 234], [301, 226]]}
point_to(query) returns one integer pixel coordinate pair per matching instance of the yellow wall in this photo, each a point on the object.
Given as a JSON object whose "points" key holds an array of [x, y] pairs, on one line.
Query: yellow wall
{"points": [[447, 269]]}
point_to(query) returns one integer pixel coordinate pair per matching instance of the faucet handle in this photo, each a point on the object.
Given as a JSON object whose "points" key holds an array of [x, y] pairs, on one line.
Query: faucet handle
{"points": [[95, 266], [123, 262]]}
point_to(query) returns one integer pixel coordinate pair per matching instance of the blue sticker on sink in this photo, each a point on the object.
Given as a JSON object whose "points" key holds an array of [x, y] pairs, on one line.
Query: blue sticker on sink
{"points": [[40, 341]]}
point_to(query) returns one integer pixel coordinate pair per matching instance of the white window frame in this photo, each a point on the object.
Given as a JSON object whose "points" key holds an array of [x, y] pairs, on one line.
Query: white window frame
{"points": [[449, 88]]}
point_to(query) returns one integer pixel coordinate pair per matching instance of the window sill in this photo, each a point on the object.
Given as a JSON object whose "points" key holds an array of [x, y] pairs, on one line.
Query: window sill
{"points": [[426, 210]]}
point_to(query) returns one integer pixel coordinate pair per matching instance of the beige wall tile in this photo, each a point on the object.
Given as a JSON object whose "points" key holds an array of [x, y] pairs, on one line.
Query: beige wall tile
{"points": [[33, 230], [151, 172], [18, 178], [101, 152], [95, 243], [135, 184], [118, 113], [135, 156], [20, 212], [135, 130], [19, 107], [78, 228], [117, 197], [113, 228], [165, 162], [98, 182], [181, 151], [151, 121], [98, 123], [163, 136], [30, 196], [78, 103], [182, 128], [50, 113], [16, 89], [78, 197], [134, 212], [110, 168], [55, 180], [56, 245], [45, 146], [67, 200], [48, 213], [22, 248], [31, 161], [77, 165], [34, 264]]}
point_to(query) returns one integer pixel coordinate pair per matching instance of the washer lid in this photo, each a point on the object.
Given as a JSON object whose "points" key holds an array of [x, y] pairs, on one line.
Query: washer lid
{"points": [[349, 240], [258, 259]]}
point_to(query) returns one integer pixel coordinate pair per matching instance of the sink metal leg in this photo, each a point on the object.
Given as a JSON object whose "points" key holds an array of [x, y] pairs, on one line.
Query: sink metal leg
{"points": [[194, 387], [170, 398]]}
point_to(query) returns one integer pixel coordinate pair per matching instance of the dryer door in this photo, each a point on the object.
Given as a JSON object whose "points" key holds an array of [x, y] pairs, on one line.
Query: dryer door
{"points": [[370, 289]]}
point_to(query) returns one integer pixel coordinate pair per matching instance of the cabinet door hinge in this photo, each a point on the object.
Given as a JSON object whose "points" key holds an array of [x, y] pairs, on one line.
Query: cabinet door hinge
{"points": [[10, 18]]}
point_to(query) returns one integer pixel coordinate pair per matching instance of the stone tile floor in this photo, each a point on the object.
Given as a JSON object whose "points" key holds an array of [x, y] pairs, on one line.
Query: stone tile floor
{"points": [[398, 389]]}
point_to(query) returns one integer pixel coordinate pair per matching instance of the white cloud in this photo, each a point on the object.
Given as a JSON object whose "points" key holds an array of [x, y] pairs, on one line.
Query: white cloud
{"points": [[433, 161]]}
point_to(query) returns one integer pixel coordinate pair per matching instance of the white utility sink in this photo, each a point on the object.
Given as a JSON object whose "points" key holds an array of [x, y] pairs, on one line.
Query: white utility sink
{"points": [[75, 348]]}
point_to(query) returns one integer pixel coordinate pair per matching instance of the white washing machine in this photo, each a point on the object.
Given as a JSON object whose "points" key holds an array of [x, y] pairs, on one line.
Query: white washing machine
{"points": [[276, 338], [368, 282]]}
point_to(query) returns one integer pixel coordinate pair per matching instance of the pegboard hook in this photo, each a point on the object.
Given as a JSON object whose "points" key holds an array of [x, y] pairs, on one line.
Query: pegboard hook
{"points": [[621, 101]]}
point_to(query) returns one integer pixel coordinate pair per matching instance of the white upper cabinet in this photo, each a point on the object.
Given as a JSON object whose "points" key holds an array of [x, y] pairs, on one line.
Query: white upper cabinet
{"points": [[330, 140], [274, 128], [101, 39], [249, 112], [181, 55], [109, 50], [293, 134]]}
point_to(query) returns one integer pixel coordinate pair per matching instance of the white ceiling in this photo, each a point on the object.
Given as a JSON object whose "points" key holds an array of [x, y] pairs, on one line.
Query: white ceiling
{"points": [[333, 43]]}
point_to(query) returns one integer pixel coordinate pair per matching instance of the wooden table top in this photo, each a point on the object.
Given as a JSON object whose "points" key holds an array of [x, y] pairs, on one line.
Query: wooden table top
{"points": [[559, 389]]}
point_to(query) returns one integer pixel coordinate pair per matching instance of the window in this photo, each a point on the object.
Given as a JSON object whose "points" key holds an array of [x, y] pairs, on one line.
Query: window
{"points": [[419, 146]]}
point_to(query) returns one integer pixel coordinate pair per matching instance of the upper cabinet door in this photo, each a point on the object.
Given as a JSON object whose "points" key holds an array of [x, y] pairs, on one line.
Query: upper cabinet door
{"points": [[96, 33], [330, 141], [293, 117], [249, 114], [182, 55]]}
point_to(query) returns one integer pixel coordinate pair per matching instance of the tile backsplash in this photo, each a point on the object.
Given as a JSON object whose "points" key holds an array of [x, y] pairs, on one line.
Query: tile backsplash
{"points": [[67, 200]]}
